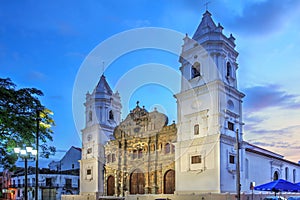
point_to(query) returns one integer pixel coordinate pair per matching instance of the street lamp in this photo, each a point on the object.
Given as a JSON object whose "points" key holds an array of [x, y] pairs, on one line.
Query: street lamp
{"points": [[238, 172], [26, 153], [37, 156]]}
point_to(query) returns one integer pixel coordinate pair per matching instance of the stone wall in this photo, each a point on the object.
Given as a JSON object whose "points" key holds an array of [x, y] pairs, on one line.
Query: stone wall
{"points": [[78, 197], [207, 196]]}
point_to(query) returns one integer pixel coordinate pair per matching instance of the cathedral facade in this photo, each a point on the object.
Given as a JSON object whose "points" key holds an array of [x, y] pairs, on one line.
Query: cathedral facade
{"points": [[145, 155], [140, 160]]}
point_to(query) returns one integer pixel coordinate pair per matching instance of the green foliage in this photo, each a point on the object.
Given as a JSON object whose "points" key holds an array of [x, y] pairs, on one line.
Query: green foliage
{"points": [[20, 111]]}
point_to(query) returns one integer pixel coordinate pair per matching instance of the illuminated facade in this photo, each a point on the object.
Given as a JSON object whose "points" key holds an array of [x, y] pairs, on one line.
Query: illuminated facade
{"points": [[145, 155], [141, 158]]}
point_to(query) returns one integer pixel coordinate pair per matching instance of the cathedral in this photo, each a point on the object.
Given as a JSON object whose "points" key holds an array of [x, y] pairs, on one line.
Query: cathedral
{"points": [[146, 154]]}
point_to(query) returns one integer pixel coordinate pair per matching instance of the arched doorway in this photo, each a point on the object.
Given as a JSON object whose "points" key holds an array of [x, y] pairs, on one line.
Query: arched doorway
{"points": [[137, 182], [275, 176], [169, 182], [110, 186]]}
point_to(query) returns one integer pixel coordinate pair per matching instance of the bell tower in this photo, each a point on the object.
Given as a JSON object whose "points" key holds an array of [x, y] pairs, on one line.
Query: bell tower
{"points": [[102, 115], [209, 109]]}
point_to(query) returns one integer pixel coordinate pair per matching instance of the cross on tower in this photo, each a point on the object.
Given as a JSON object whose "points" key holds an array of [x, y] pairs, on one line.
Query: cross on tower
{"points": [[206, 5], [103, 67]]}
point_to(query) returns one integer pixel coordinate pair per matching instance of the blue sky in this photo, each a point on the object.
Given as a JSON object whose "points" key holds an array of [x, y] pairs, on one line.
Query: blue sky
{"points": [[44, 43]]}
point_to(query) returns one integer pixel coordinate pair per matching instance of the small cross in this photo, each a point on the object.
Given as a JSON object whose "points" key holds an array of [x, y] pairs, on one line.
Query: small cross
{"points": [[103, 67], [206, 5]]}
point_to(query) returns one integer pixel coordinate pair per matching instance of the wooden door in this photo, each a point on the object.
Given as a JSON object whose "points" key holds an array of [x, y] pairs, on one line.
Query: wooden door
{"points": [[169, 182], [110, 186], [137, 182], [49, 194]]}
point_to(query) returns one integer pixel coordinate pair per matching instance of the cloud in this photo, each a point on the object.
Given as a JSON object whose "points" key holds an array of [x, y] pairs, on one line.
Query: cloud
{"points": [[264, 17], [36, 75], [66, 29], [137, 23], [75, 54], [268, 132], [56, 97], [249, 17], [252, 121], [284, 140], [286, 131], [278, 144], [266, 96]]}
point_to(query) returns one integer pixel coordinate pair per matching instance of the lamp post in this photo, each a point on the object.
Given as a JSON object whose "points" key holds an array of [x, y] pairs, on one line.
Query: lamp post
{"points": [[26, 153], [37, 156], [238, 179]]}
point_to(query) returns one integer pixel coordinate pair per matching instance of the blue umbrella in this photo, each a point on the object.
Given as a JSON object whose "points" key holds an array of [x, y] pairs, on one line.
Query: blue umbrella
{"points": [[279, 185]]}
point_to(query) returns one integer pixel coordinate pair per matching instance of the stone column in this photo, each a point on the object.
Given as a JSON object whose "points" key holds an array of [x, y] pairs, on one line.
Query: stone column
{"points": [[121, 183], [116, 182], [104, 183], [155, 188]]}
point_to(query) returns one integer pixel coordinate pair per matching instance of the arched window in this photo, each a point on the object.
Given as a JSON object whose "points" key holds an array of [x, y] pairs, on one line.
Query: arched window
{"points": [[195, 71], [172, 148], [230, 105], [90, 116], [113, 157], [140, 153], [167, 148], [228, 69], [294, 175], [134, 154], [108, 158], [286, 173], [275, 176], [153, 147], [111, 115], [196, 129]]}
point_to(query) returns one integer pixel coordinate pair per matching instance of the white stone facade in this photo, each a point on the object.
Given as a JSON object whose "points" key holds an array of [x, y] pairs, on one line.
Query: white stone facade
{"points": [[68, 162], [103, 114], [62, 177], [209, 117], [51, 186], [209, 109]]}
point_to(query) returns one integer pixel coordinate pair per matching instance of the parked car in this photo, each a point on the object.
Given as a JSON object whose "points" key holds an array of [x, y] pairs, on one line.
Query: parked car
{"points": [[294, 198], [275, 198]]}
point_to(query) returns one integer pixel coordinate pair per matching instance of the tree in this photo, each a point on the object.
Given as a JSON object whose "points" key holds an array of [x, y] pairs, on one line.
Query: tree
{"points": [[20, 110]]}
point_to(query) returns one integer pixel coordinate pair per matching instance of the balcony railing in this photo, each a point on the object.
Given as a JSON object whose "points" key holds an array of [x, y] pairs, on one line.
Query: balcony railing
{"points": [[21, 185], [48, 185], [44, 185], [70, 186]]}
